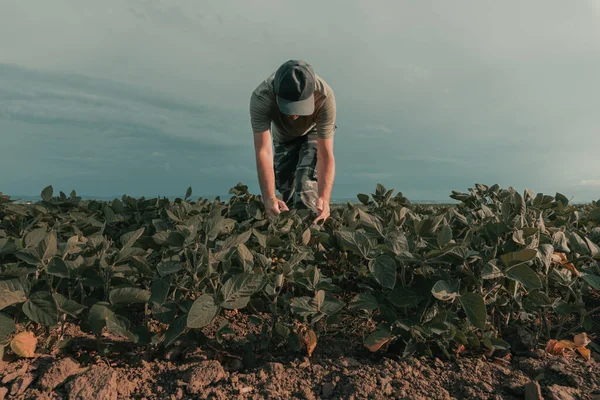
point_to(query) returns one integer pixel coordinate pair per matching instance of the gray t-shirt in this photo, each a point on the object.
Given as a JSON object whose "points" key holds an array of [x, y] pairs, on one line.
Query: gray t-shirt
{"points": [[265, 114]]}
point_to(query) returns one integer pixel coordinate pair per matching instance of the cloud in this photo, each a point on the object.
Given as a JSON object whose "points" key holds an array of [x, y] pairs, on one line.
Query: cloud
{"points": [[157, 154], [592, 182], [378, 128]]}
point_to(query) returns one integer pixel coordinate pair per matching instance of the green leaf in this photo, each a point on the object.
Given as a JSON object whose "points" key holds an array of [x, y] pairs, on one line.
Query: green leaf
{"points": [[525, 276], [236, 292], [303, 306], [203, 312], [518, 257], [491, 271], [7, 327], [245, 257], [160, 290], [404, 297], [592, 280], [474, 307], [364, 301], [47, 193], [11, 292], [41, 308], [34, 237], [165, 268], [67, 306], [175, 239], [175, 330], [363, 198], [129, 238], [8, 246], [282, 331], [48, 247], [30, 256], [57, 267], [446, 290], [164, 313], [397, 243], [370, 222], [383, 269], [444, 236], [332, 306], [129, 295]]}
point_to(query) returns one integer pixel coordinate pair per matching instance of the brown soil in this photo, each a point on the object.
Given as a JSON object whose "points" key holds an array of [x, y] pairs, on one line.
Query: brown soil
{"points": [[337, 370]]}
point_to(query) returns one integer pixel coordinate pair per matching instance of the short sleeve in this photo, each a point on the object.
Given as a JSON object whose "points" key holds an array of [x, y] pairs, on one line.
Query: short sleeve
{"points": [[325, 119], [259, 113]]}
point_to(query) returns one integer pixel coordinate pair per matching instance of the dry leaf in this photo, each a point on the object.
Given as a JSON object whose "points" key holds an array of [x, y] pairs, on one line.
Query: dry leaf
{"points": [[308, 339], [24, 344], [586, 353], [378, 344], [567, 344], [559, 258], [581, 339]]}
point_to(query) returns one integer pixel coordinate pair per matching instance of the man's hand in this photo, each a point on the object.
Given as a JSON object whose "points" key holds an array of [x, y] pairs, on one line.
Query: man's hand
{"points": [[275, 206], [322, 209]]}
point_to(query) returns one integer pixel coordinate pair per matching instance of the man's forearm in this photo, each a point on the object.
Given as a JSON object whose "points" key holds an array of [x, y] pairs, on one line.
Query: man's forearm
{"points": [[325, 175], [266, 175]]}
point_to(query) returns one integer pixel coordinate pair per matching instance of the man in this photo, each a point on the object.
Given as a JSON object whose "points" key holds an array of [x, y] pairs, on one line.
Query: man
{"points": [[292, 113]]}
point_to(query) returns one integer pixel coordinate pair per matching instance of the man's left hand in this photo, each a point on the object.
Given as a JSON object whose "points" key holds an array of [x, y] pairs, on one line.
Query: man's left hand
{"points": [[322, 209]]}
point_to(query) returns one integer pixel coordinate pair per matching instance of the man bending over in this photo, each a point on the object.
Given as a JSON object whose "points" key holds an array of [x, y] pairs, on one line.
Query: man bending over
{"points": [[292, 113]]}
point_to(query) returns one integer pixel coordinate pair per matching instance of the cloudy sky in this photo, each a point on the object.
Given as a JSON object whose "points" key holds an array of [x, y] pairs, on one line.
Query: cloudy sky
{"points": [[148, 97]]}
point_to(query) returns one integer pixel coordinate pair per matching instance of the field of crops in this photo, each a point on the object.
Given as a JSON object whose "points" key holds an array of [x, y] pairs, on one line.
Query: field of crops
{"points": [[223, 302]]}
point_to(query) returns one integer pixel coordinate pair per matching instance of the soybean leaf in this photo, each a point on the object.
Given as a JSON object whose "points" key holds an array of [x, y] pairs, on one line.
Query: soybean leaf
{"points": [[474, 307], [518, 257], [364, 301], [165, 268], [202, 312], [446, 290], [57, 267], [7, 326], [491, 271], [383, 269], [175, 330], [525, 276], [41, 308], [11, 292], [592, 280], [404, 297], [444, 236], [129, 238], [68, 306], [236, 292], [129, 295]]}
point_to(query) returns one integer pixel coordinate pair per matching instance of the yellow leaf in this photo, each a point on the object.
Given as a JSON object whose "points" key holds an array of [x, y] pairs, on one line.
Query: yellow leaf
{"points": [[586, 353], [581, 340], [567, 344], [308, 339], [24, 344]]}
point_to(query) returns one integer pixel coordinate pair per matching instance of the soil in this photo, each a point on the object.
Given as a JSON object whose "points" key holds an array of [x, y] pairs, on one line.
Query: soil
{"points": [[337, 369]]}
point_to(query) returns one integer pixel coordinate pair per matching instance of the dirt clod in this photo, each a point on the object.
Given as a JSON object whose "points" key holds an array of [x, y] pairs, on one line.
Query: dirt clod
{"points": [[204, 374], [533, 391], [327, 390], [557, 392], [58, 373], [99, 382]]}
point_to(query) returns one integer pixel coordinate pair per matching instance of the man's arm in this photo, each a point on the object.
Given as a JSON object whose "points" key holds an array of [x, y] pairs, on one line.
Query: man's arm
{"points": [[263, 148], [325, 176], [325, 167]]}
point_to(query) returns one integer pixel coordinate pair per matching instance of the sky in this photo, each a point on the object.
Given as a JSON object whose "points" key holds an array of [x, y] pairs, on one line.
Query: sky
{"points": [[148, 97]]}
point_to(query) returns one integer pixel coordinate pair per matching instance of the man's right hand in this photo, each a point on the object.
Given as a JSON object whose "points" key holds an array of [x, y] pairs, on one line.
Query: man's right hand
{"points": [[275, 206]]}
